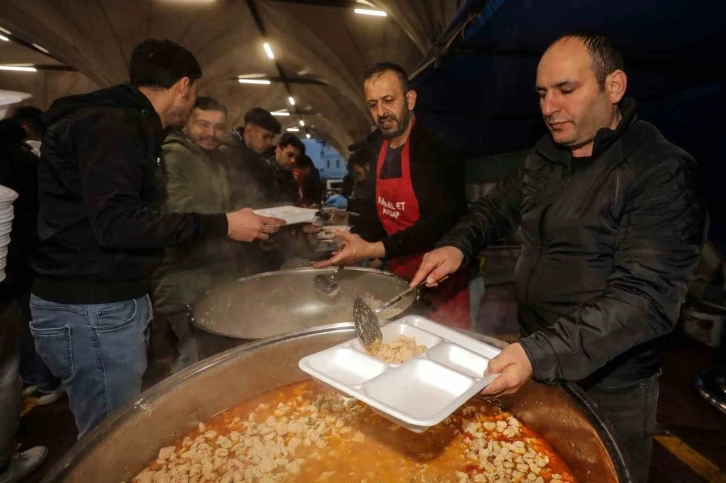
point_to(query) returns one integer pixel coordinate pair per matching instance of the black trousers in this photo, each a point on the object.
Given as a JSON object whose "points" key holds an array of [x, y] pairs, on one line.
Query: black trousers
{"points": [[631, 409]]}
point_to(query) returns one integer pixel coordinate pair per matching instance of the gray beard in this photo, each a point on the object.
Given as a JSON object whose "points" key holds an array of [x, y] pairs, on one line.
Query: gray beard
{"points": [[403, 125]]}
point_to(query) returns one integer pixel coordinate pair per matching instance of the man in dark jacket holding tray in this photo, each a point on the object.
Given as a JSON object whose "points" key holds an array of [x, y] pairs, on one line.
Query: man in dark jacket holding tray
{"points": [[612, 227], [101, 232]]}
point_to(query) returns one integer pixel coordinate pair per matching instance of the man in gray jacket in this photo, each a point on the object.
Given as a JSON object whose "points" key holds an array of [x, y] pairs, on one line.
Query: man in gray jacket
{"points": [[195, 182]]}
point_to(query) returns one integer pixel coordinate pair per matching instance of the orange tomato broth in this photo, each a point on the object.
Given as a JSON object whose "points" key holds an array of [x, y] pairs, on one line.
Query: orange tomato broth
{"points": [[390, 453]]}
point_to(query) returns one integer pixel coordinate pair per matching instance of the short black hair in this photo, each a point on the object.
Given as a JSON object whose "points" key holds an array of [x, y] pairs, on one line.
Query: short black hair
{"points": [[361, 157], [161, 63], [382, 67], [209, 104], [304, 161], [31, 117], [289, 139], [606, 57], [263, 118]]}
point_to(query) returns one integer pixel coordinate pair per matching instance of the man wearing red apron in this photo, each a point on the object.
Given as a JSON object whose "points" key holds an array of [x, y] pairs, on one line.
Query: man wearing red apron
{"points": [[419, 195]]}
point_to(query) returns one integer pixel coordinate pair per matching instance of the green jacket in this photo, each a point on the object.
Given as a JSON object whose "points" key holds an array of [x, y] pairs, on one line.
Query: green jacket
{"points": [[194, 183]]}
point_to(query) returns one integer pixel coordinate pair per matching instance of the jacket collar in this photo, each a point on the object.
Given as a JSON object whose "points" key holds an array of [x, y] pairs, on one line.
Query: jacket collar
{"points": [[141, 102], [604, 138]]}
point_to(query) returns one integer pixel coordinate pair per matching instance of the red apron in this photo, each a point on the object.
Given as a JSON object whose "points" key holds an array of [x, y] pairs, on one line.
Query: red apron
{"points": [[398, 210]]}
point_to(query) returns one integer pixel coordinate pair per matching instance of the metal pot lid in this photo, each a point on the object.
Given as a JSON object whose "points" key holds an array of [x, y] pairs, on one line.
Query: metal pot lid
{"points": [[275, 303]]}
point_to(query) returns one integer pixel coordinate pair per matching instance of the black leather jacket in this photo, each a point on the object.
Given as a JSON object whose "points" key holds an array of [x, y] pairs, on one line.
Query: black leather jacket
{"points": [[608, 248]]}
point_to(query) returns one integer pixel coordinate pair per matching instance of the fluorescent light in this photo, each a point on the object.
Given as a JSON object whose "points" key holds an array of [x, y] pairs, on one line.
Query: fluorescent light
{"points": [[280, 113], [2, 37], [292, 100], [18, 68], [307, 136], [268, 50], [262, 82], [41, 49], [302, 123], [369, 11], [293, 129], [5, 31]]}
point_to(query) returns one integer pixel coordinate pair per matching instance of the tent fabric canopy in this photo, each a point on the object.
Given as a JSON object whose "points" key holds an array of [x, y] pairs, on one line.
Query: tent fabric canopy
{"points": [[319, 40]]}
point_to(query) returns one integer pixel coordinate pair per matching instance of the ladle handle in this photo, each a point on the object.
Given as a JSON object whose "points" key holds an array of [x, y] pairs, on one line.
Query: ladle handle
{"points": [[399, 297], [387, 305]]}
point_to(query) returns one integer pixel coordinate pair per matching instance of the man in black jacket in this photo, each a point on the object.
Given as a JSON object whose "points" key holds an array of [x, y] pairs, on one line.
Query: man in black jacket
{"points": [[249, 174], [101, 234], [283, 187], [417, 195], [612, 227]]}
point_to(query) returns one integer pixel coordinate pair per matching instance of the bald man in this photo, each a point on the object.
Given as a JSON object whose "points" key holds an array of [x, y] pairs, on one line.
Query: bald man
{"points": [[612, 227]]}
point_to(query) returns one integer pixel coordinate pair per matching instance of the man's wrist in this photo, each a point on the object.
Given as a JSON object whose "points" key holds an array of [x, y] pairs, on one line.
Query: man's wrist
{"points": [[376, 250]]}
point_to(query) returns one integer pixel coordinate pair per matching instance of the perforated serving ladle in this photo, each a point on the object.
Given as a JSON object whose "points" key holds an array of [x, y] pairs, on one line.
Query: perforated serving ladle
{"points": [[365, 318], [327, 285]]}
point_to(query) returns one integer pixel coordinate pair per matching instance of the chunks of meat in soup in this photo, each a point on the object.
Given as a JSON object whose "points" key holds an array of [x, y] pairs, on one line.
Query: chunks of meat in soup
{"points": [[305, 433]]}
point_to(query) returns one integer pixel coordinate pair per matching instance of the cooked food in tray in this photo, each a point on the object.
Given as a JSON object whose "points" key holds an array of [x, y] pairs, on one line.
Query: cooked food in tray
{"points": [[306, 433], [398, 351]]}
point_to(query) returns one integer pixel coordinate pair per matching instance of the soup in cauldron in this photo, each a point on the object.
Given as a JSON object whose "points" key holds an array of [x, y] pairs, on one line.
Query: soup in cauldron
{"points": [[307, 433]]}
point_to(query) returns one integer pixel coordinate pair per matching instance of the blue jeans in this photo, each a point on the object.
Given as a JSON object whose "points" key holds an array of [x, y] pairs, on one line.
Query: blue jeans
{"points": [[33, 370], [98, 351]]}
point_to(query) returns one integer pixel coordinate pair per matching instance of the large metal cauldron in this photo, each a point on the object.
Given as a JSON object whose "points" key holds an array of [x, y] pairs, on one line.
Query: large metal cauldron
{"points": [[123, 444], [274, 303]]}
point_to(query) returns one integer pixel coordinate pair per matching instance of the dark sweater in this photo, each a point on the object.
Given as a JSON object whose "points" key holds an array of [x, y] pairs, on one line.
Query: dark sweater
{"points": [[99, 186]]}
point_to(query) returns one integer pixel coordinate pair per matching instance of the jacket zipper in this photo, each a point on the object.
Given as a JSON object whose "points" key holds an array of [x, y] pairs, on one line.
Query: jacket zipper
{"points": [[541, 243]]}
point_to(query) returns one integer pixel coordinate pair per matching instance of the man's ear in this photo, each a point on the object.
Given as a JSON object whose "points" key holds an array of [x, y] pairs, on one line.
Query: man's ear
{"points": [[185, 87], [616, 83], [411, 97]]}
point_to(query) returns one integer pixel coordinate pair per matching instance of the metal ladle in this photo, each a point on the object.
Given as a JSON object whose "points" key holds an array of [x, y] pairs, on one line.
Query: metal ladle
{"points": [[326, 284], [365, 318]]}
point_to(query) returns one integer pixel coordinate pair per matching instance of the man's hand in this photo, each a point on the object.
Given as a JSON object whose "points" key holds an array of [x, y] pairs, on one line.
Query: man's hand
{"points": [[245, 225], [270, 245], [354, 249], [437, 264], [514, 369], [312, 229]]}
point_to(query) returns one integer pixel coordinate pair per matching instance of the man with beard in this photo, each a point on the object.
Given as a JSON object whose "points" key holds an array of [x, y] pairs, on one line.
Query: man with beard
{"points": [[100, 231], [195, 182], [612, 226], [418, 196]]}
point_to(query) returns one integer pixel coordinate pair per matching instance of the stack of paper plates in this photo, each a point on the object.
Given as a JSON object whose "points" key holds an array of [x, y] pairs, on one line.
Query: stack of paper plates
{"points": [[7, 196]]}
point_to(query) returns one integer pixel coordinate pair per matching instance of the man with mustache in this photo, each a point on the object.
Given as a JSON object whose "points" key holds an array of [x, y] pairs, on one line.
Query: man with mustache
{"points": [[195, 182], [418, 196], [612, 226]]}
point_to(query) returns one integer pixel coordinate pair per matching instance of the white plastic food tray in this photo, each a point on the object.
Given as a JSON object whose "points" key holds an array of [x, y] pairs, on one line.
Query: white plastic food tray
{"points": [[291, 214], [422, 391]]}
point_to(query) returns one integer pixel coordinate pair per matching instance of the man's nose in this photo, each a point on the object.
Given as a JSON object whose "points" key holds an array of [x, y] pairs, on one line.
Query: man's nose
{"points": [[548, 105], [380, 111]]}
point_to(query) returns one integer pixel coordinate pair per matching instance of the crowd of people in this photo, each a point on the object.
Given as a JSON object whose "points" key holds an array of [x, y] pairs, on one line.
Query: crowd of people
{"points": [[141, 201]]}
